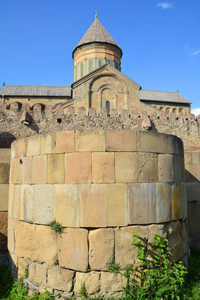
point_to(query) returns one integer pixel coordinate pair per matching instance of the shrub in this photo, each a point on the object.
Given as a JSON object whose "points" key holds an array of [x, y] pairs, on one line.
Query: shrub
{"points": [[56, 226], [156, 277]]}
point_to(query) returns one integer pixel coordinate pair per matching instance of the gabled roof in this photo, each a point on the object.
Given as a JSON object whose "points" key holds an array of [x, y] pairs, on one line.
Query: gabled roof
{"points": [[96, 33], [100, 70], [160, 96], [33, 90]]}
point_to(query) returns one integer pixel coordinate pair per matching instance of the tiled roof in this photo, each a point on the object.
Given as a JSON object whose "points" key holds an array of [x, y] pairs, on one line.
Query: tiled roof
{"points": [[161, 96], [32, 90], [97, 33]]}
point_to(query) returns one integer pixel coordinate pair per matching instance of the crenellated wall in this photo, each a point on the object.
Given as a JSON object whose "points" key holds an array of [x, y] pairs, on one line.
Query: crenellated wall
{"points": [[102, 185]]}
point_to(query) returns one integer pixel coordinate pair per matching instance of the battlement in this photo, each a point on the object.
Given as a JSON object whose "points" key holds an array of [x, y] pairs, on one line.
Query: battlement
{"points": [[21, 120]]}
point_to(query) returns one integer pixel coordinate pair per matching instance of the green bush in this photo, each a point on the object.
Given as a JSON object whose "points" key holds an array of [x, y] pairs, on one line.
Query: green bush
{"points": [[114, 267], [156, 277], [56, 226]]}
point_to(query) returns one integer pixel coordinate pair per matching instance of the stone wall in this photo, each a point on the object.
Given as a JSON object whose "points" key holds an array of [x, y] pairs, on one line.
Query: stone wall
{"points": [[101, 185], [192, 165]]}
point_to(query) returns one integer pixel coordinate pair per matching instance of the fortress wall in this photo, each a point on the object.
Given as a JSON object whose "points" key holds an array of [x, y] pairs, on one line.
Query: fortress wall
{"points": [[192, 166], [102, 185], [4, 186]]}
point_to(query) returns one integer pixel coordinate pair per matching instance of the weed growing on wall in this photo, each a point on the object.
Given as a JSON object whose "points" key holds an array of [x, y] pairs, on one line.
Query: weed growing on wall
{"points": [[156, 277], [56, 226], [83, 292], [114, 267], [26, 273]]}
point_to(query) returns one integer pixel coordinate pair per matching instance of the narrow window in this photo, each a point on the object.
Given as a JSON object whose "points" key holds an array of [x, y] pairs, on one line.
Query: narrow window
{"points": [[108, 107]]}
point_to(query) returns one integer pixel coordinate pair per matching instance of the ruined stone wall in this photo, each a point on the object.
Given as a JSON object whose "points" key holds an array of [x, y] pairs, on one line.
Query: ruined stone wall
{"points": [[192, 166], [102, 185]]}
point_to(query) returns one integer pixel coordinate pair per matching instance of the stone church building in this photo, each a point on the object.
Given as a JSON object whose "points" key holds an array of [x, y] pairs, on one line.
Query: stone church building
{"points": [[98, 82]]}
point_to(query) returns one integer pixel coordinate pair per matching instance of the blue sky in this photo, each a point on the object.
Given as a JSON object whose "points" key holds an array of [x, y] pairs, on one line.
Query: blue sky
{"points": [[160, 41]]}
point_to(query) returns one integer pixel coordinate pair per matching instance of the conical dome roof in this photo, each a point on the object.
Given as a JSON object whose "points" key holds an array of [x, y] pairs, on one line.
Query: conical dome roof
{"points": [[96, 33]]}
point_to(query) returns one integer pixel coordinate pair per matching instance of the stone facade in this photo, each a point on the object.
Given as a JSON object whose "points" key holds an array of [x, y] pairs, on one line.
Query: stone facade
{"points": [[96, 184]]}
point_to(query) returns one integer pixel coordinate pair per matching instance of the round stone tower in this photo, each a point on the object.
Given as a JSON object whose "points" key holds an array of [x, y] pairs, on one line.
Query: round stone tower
{"points": [[95, 49]]}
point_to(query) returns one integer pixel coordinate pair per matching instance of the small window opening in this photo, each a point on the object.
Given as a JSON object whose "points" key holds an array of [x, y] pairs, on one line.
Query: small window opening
{"points": [[59, 120], [108, 107]]}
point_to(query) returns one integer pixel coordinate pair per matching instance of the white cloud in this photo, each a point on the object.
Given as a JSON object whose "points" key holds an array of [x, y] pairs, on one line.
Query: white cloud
{"points": [[195, 52], [164, 5], [196, 111]]}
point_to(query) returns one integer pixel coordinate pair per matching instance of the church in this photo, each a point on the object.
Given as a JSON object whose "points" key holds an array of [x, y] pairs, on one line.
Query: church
{"points": [[98, 83]]}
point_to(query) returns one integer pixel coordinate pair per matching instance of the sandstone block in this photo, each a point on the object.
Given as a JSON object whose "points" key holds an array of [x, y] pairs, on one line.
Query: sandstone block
{"points": [[165, 168], [4, 173], [78, 167], [174, 238], [148, 167], [91, 281], [156, 229], [73, 249], [93, 205], [16, 206], [48, 143], [56, 168], [116, 205], [193, 219], [12, 171], [89, 140], [103, 167], [22, 266], [5, 155], [183, 201], [66, 204], [123, 140], [37, 273], [175, 145], [193, 191], [152, 142], [195, 158], [14, 149], [184, 238], [27, 170], [163, 203], [112, 282], [177, 168], [4, 197], [27, 203], [101, 248], [35, 242], [18, 168], [175, 199], [188, 158], [126, 167], [60, 279], [39, 169], [33, 146], [141, 196], [21, 148], [65, 142], [125, 251], [43, 203]]}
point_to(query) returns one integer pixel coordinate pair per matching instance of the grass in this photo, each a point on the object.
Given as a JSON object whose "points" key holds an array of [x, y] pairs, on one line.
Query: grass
{"points": [[191, 289]]}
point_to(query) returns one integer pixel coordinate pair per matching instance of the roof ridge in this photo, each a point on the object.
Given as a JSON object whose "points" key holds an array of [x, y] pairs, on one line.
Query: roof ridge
{"points": [[160, 91]]}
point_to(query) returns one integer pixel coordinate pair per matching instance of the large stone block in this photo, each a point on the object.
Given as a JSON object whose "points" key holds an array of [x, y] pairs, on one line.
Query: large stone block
{"points": [[193, 219], [21, 148], [126, 169], [66, 204], [16, 205], [73, 249], [27, 203], [177, 169], [163, 203], [4, 197], [111, 283], [123, 140], [5, 155], [78, 167], [56, 168], [18, 168], [165, 168], [27, 170], [141, 203], [91, 281], [93, 205], [33, 146], [89, 140], [43, 203], [193, 191], [183, 201], [39, 169], [175, 145], [116, 204], [103, 167], [4, 173], [152, 142], [174, 238], [175, 199], [3, 230], [125, 251], [37, 273], [148, 167], [101, 248], [65, 141], [23, 265], [14, 149], [48, 143], [35, 242], [60, 279], [156, 229]]}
